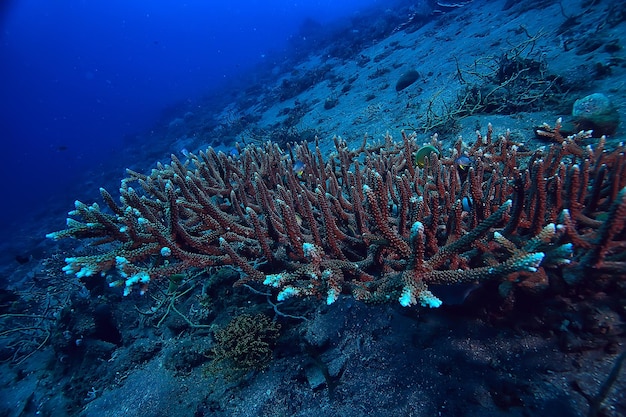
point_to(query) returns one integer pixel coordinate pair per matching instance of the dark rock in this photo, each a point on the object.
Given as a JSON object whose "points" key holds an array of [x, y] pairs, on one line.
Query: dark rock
{"points": [[407, 79]]}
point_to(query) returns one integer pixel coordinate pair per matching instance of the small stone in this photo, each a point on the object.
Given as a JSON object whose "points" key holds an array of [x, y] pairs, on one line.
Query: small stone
{"points": [[596, 112], [407, 79], [315, 377]]}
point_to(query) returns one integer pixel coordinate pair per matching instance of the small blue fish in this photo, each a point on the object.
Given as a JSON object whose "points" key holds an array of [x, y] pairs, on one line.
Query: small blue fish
{"points": [[233, 152], [467, 203], [185, 152], [298, 168], [463, 162]]}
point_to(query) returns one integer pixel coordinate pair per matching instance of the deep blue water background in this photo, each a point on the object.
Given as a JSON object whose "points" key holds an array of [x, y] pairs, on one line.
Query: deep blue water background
{"points": [[80, 76]]}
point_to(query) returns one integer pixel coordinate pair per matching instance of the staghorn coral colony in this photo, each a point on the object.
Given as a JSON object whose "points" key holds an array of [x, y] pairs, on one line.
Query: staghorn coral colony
{"points": [[367, 222]]}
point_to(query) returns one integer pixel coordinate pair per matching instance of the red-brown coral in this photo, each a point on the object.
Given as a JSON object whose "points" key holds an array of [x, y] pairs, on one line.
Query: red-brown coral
{"points": [[364, 222]]}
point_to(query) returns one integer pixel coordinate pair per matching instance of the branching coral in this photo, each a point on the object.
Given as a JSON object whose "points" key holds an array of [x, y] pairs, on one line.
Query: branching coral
{"points": [[364, 222]]}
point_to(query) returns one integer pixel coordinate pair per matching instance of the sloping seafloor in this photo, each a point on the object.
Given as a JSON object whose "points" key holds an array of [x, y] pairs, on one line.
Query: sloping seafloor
{"points": [[66, 352]]}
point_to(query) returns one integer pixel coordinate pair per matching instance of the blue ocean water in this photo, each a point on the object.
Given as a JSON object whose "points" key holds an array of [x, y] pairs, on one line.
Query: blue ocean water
{"points": [[78, 77], [90, 87]]}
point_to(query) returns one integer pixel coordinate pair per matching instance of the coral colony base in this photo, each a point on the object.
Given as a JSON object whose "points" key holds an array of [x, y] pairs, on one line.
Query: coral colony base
{"points": [[369, 222]]}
